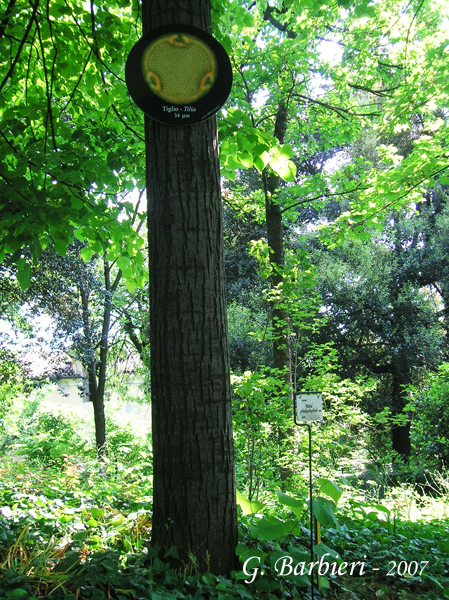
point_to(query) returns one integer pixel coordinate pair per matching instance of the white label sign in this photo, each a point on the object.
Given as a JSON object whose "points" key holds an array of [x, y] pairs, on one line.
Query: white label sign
{"points": [[308, 407]]}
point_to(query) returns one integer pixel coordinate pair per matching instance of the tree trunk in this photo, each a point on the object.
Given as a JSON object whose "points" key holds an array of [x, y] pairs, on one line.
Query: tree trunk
{"points": [[96, 396], [194, 503], [99, 420], [275, 237], [401, 372], [97, 368], [400, 434]]}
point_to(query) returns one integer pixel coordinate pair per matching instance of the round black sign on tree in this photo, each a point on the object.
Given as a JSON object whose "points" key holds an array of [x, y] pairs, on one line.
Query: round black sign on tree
{"points": [[179, 75]]}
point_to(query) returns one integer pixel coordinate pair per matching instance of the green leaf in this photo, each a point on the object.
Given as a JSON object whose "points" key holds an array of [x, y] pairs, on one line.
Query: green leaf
{"points": [[87, 253], [365, 11], [269, 529], [246, 159], [286, 151], [249, 507], [321, 550], [97, 513], [228, 174], [324, 511], [17, 594], [139, 259], [286, 169], [248, 20], [296, 506], [80, 234], [260, 149], [23, 274], [245, 552], [64, 10], [60, 246], [383, 508], [330, 489], [131, 285], [259, 164]]}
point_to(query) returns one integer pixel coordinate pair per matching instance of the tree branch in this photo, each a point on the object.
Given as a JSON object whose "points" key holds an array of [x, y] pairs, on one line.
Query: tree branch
{"points": [[268, 16], [78, 82], [404, 195], [382, 93], [390, 66], [120, 118], [129, 330], [324, 195], [342, 112], [4, 22], [49, 117], [21, 45]]}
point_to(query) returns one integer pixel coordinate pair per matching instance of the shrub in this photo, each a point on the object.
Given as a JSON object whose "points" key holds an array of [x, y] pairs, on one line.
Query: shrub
{"points": [[430, 424]]}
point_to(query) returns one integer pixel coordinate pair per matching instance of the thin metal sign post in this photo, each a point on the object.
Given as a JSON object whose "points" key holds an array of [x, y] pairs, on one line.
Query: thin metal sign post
{"points": [[308, 407]]}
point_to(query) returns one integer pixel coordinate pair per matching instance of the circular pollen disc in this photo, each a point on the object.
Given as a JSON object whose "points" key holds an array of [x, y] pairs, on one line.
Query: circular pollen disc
{"points": [[179, 68], [179, 75]]}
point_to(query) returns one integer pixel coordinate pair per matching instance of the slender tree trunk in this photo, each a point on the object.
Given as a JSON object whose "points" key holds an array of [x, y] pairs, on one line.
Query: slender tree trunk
{"points": [[275, 236], [400, 434], [95, 397], [97, 368], [401, 440], [99, 420], [444, 291], [194, 504]]}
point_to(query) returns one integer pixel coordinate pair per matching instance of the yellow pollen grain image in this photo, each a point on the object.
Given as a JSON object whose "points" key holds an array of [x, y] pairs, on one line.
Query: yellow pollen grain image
{"points": [[179, 68]]}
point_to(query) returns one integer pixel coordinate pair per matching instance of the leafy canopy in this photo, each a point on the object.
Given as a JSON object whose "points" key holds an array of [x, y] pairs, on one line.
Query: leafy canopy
{"points": [[71, 141]]}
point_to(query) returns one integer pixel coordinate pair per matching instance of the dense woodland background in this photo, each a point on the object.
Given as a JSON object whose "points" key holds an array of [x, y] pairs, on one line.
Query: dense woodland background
{"points": [[335, 186]]}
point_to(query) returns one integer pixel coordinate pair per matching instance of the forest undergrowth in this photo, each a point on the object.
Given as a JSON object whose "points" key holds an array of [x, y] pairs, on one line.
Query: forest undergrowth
{"points": [[74, 528]]}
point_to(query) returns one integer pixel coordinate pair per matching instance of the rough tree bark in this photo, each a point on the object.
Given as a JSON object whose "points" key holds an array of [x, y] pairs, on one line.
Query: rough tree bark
{"points": [[194, 504]]}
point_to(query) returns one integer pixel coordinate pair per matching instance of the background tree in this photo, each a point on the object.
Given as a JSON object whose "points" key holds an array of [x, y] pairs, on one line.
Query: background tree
{"points": [[380, 323], [247, 307], [85, 304], [425, 256]]}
